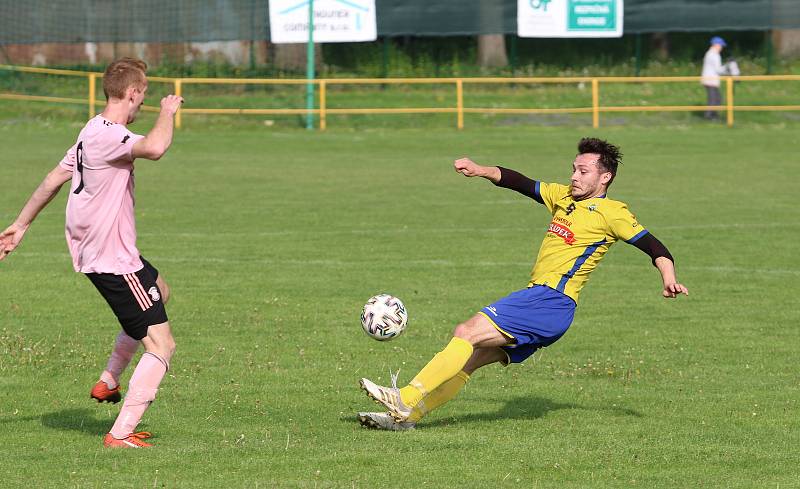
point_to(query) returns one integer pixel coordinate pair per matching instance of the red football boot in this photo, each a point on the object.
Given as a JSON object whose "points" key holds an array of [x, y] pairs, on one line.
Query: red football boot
{"points": [[102, 393], [134, 440]]}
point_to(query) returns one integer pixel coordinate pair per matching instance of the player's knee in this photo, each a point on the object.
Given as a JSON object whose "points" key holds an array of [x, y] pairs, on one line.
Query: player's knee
{"points": [[164, 349], [159, 341], [170, 347], [471, 329], [465, 332]]}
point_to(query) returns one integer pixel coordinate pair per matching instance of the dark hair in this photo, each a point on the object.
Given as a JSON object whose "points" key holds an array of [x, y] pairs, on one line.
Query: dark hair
{"points": [[610, 156]]}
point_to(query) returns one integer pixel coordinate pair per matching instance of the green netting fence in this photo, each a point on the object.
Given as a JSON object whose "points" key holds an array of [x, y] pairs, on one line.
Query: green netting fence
{"points": [[38, 21]]}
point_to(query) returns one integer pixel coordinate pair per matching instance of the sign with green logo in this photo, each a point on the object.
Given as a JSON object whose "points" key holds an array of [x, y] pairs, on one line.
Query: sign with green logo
{"points": [[569, 18], [591, 15]]}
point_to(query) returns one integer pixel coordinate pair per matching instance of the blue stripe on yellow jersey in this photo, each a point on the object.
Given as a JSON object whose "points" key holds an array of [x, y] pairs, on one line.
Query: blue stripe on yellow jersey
{"points": [[579, 235]]}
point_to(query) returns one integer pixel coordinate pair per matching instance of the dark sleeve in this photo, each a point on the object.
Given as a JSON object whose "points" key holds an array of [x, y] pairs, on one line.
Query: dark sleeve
{"points": [[518, 182], [653, 247]]}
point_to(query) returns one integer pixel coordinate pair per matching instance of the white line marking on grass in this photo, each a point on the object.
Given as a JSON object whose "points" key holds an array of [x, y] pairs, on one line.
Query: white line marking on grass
{"points": [[733, 225], [430, 231], [720, 269], [421, 263]]}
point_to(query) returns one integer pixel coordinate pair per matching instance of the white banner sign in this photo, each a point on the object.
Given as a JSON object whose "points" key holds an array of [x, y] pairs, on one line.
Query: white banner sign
{"points": [[569, 18], [334, 21]]}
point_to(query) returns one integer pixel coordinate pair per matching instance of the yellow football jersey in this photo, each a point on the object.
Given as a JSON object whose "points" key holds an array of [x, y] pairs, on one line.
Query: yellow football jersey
{"points": [[578, 237]]}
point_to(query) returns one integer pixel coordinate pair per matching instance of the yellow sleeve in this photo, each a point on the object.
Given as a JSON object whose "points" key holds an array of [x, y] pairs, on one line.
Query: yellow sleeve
{"points": [[624, 225], [551, 193]]}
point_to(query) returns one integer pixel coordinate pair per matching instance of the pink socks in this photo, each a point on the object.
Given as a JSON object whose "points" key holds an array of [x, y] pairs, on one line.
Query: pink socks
{"points": [[124, 349], [142, 391]]}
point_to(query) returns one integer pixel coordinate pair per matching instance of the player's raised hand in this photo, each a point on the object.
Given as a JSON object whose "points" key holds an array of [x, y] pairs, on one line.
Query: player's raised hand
{"points": [[10, 239], [467, 167], [171, 103], [672, 291]]}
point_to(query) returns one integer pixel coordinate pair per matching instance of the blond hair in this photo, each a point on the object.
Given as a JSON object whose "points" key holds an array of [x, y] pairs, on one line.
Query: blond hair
{"points": [[121, 74]]}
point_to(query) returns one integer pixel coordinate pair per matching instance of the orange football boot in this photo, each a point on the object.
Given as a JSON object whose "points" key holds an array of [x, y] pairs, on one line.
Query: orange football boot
{"points": [[134, 440], [102, 393]]}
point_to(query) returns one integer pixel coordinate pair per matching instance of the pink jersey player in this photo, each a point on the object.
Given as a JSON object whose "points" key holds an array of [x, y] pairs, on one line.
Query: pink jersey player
{"points": [[101, 228], [101, 236]]}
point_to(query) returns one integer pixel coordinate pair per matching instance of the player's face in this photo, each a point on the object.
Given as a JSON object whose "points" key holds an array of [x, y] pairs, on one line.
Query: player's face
{"points": [[588, 179], [137, 100]]}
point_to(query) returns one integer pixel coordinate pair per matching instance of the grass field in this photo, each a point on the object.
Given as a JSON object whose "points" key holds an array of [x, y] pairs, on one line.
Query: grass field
{"points": [[273, 239]]}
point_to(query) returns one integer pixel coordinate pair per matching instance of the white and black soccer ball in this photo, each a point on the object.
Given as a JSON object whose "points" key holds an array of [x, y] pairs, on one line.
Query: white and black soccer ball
{"points": [[384, 317]]}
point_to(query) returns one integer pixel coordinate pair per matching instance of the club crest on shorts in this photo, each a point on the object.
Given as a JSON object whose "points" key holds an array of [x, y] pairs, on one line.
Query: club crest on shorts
{"points": [[154, 294]]}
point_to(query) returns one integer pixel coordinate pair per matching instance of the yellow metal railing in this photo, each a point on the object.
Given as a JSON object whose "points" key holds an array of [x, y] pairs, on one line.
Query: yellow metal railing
{"points": [[459, 109]]}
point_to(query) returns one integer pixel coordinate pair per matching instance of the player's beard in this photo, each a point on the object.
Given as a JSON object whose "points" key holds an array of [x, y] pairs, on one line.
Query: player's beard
{"points": [[577, 194], [583, 192]]}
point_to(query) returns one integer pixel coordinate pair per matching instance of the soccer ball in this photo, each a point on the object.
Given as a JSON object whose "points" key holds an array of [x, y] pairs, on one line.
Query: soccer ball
{"points": [[384, 317]]}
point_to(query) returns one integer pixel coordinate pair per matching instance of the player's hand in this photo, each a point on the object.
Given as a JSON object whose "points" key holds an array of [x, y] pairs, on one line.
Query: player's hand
{"points": [[467, 167], [672, 291], [171, 104], [10, 239]]}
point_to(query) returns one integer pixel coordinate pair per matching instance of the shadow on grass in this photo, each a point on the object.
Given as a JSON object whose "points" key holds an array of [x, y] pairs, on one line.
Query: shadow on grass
{"points": [[82, 420], [527, 407], [522, 407]]}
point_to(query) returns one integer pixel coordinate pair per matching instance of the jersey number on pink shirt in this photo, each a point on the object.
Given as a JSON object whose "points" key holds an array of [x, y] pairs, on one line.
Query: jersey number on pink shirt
{"points": [[79, 158]]}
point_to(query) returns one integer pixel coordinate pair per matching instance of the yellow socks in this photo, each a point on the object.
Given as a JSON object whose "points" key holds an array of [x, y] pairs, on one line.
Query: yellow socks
{"points": [[442, 367], [442, 394]]}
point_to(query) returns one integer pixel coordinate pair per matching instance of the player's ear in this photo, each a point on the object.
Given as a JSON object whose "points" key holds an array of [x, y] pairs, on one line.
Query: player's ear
{"points": [[130, 92], [605, 178]]}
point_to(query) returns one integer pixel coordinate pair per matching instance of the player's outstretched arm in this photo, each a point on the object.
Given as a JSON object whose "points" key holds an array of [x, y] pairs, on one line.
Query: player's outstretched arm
{"points": [[469, 168], [672, 288], [13, 234], [662, 259], [502, 177], [157, 142]]}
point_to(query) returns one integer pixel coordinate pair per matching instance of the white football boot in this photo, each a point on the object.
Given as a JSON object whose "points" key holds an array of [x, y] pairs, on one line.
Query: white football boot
{"points": [[384, 421], [389, 397]]}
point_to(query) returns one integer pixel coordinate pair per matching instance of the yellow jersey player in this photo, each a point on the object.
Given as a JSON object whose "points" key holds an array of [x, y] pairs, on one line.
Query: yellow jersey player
{"points": [[584, 225]]}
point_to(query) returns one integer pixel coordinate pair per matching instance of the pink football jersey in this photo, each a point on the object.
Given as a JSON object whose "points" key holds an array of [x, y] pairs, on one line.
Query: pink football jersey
{"points": [[101, 228]]}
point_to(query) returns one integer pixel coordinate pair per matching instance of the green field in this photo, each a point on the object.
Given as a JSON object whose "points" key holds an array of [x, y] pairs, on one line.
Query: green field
{"points": [[273, 238]]}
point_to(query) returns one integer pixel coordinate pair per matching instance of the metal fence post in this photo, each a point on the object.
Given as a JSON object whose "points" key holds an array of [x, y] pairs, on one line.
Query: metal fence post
{"points": [[92, 93], [323, 123], [460, 102], [178, 93], [595, 103], [729, 99]]}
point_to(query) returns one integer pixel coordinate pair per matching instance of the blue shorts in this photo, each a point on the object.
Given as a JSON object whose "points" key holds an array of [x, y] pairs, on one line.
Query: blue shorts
{"points": [[533, 317]]}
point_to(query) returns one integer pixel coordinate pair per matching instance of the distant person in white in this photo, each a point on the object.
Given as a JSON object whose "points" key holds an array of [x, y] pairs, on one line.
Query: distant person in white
{"points": [[712, 69]]}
